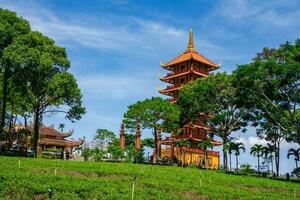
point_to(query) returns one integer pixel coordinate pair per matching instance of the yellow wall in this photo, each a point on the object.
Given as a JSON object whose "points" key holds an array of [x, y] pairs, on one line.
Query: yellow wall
{"points": [[195, 158]]}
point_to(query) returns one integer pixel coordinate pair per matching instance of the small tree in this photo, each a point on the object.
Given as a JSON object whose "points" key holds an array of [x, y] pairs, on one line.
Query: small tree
{"points": [[257, 150], [115, 150], [229, 148], [237, 147], [155, 113], [295, 153], [103, 137], [268, 152], [86, 154]]}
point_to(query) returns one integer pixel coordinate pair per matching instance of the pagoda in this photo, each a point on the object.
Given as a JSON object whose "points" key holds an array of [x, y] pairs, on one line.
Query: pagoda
{"points": [[188, 66]]}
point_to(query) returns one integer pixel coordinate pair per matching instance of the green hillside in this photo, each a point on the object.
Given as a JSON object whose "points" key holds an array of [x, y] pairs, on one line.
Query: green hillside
{"points": [[99, 180]]}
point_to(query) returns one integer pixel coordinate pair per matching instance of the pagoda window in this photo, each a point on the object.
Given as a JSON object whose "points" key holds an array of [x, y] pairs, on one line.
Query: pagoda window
{"points": [[182, 67]]}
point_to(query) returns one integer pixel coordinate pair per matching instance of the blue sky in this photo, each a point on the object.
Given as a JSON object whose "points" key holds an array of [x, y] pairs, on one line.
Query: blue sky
{"points": [[115, 47]]}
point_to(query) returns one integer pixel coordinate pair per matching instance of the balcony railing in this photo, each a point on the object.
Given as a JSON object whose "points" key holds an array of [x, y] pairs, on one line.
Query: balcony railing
{"points": [[173, 86], [178, 72], [200, 70]]}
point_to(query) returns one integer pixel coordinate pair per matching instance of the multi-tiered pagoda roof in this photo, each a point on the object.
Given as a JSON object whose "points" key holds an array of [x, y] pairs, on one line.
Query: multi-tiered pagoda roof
{"points": [[188, 66]]}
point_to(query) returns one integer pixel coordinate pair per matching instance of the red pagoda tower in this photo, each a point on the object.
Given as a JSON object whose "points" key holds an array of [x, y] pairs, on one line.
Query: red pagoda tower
{"points": [[188, 66]]}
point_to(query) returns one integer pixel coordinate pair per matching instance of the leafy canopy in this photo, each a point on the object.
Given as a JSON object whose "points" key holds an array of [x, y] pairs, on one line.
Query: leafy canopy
{"points": [[152, 113]]}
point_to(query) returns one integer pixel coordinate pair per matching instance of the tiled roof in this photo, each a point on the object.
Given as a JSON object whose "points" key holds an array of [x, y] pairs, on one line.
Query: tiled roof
{"points": [[188, 55]]}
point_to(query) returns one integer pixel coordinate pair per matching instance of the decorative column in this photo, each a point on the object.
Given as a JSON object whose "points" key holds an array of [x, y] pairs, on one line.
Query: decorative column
{"points": [[138, 137], [122, 136], [158, 143]]}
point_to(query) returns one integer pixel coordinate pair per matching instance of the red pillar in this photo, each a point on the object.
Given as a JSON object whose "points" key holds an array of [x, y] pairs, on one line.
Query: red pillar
{"points": [[122, 136], [138, 137]]}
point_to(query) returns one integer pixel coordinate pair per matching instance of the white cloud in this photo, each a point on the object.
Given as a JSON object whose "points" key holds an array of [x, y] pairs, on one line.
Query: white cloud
{"points": [[116, 87], [252, 140], [107, 33], [275, 13]]}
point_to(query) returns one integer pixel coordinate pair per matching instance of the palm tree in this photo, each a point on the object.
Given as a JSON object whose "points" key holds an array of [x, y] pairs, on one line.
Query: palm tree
{"points": [[205, 144], [295, 153], [256, 150], [229, 147], [267, 152], [237, 147], [182, 143], [61, 127]]}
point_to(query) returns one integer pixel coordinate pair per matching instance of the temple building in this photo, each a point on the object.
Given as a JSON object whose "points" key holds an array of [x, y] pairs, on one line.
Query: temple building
{"points": [[53, 138], [49, 138], [186, 67]]}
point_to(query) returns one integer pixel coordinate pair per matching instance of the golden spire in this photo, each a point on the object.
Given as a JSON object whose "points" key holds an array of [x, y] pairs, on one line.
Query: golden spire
{"points": [[191, 41]]}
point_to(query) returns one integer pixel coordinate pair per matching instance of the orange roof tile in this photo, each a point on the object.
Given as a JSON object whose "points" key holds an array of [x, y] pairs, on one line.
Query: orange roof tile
{"points": [[189, 55]]}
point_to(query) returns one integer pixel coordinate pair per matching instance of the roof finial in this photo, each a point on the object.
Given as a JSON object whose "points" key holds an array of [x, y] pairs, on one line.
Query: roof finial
{"points": [[191, 41]]}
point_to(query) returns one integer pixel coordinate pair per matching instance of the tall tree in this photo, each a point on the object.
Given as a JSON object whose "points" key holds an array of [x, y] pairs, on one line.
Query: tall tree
{"points": [[237, 147], [295, 153], [270, 87], [275, 136], [11, 27], [257, 151], [46, 83], [229, 148], [268, 152], [155, 113], [215, 96]]}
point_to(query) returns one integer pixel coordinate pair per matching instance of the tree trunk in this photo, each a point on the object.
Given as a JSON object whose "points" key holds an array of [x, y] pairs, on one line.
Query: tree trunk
{"points": [[225, 158], [36, 130], [155, 144], [277, 156], [272, 165], [10, 126], [258, 164], [4, 99], [230, 161], [296, 163], [237, 164]]}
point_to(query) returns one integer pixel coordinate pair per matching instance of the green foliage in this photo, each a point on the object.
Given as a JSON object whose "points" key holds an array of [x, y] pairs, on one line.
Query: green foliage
{"points": [[86, 153], [269, 87], [11, 27], [115, 150], [216, 97], [148, 142], [295, 153], [104, 180], [133, 155], [247, 169], [41, 71], [102, 137], [152, 113]]}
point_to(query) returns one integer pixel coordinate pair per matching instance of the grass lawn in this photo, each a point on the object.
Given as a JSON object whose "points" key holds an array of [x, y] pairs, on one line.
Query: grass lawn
{"points": [[100, 180]]}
